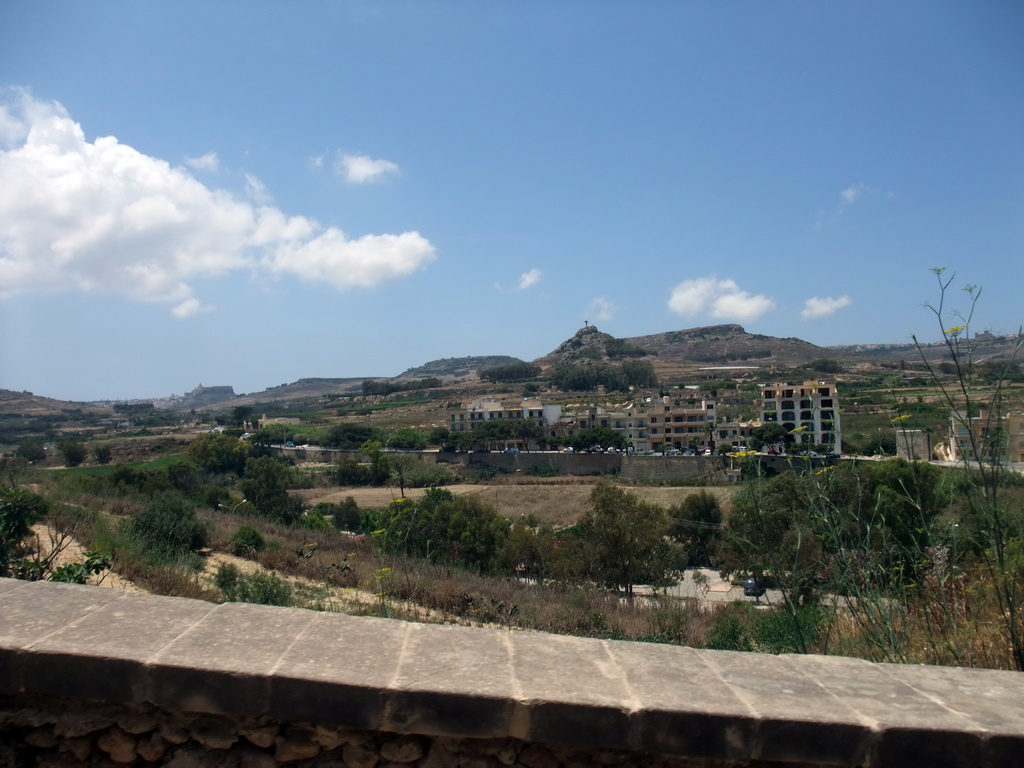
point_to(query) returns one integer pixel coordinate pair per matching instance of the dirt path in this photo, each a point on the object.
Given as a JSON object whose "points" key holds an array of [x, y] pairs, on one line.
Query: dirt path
{"points": [[350, 600], [48, 539]]}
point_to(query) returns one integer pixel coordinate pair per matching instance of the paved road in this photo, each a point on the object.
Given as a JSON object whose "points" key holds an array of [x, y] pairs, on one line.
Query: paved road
{"points": [[716, 589]]}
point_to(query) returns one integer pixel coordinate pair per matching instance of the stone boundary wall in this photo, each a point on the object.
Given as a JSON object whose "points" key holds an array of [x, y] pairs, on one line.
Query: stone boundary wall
{"points": [[667, 469], [563, 463], [249, 685], [643, 468]]}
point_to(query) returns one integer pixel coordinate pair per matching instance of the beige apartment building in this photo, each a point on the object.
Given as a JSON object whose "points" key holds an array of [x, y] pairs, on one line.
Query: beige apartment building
{"points": [[518, 411], [681, 423], [995, 437], [630, 422]]}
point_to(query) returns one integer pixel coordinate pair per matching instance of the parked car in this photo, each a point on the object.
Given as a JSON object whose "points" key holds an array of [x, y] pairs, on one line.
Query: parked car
{"points": [[754, 587]]}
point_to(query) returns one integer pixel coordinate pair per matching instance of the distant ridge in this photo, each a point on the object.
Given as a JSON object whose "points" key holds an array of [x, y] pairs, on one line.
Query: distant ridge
{"points": [[675, 356], [457, 367]]}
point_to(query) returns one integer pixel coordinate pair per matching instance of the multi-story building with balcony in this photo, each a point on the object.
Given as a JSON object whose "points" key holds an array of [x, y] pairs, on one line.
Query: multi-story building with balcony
{"points": [[989, 436], [809, 411], [681, 423], [488, 409], [630, 422], [733, 435]]}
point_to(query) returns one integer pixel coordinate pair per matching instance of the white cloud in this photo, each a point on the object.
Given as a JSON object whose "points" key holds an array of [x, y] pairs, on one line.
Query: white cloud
{"points": [[189, 307], [207, 162], [601, 310], [100, 216], [721, 299], [850, 194], [529, 279], [821, 307], [317, 161], [359, 168], [848, 197], [332, 258], [256, 190]]}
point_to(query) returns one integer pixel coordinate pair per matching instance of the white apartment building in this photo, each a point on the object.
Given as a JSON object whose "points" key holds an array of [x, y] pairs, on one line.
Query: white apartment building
{"points": [[810, 411]]}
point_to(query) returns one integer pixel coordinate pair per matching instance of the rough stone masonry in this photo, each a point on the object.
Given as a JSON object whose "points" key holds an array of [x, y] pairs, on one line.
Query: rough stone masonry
{"points": [[99, 677]]}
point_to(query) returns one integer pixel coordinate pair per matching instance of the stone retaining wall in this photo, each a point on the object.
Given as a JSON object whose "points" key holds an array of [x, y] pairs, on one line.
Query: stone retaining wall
{"points": [[160, 680]]}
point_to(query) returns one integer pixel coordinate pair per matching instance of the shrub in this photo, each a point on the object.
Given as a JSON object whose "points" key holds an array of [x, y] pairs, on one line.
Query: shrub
{"points": [[19, 510], [167, 526], [314, 521], [246, 542], [263, 588]]}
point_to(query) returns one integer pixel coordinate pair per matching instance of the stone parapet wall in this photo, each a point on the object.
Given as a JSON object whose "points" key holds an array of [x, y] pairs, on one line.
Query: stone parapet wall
{"points": [[258, 673]]}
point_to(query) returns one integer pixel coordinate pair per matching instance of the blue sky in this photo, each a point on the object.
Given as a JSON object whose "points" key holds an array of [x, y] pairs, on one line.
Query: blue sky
{"points": [[250, 193]]}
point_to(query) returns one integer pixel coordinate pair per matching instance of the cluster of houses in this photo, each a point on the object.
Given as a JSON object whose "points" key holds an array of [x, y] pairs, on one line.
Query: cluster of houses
{"points": [[809, 411], [690, 419], [987, 435]]}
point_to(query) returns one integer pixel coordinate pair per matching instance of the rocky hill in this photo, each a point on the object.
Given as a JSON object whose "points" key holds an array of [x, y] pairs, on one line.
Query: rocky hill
{"points": [[677, 353], [457, 367]]}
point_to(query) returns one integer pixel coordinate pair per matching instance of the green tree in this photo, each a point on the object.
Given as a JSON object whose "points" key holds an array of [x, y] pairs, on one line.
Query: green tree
{"points": [[349, 436], [769, 436], [31, 451], [408, 439], [346, 515], [265, 484], [601, 437], [696, 523], [445, 528], [625, 538], [771, 530], [73, 451], [219, 452], [240, 414], [438, 436], [102, 454], [403, 467]]}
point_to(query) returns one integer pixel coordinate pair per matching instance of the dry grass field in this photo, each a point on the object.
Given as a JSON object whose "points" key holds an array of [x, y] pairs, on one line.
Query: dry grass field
{"points": [[559, 503]]}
